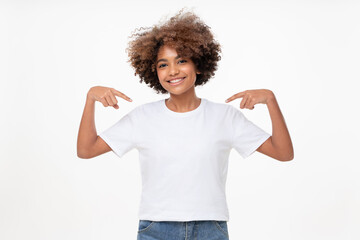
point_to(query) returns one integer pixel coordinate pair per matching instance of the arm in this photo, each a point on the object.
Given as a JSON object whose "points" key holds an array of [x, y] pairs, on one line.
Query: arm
{"points": [[279, 145], [89, 144]]}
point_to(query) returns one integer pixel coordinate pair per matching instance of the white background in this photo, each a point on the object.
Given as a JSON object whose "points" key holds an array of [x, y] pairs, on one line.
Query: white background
{"points": [[53, 52]]}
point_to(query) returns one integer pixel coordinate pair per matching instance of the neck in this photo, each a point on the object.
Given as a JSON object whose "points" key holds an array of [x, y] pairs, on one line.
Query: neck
{"points": [[183, 103]]}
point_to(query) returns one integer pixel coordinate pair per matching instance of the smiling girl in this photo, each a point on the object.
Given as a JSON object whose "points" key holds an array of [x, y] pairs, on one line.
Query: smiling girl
{"points": [[184, 141]]}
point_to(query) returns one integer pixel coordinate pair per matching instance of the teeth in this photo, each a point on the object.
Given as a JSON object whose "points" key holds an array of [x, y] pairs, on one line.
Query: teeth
{"points": [[174, 81]]}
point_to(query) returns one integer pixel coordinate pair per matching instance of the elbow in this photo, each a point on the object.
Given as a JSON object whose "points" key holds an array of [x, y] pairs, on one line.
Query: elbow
{"points": [[283, 153], [287, 157], [83, 155], [286, 154]]}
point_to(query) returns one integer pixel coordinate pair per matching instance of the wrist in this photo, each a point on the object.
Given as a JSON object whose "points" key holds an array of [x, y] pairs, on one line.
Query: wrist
{"points": [[89, 97], [271, 97]]}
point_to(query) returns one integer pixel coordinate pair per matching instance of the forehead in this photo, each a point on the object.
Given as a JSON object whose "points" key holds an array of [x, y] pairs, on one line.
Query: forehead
{"points": [[167, 52]]}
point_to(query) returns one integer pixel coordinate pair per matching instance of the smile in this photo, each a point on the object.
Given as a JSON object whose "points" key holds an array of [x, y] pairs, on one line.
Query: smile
{"points": [[176, 81]]}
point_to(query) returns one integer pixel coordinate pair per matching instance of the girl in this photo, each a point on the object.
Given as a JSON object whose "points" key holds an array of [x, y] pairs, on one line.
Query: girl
{"points": [[183, 141]]}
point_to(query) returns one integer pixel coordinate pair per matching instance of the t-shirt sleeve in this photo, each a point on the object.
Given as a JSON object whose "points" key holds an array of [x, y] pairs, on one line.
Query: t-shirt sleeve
{"points": [[247, 136], [120, 136]]}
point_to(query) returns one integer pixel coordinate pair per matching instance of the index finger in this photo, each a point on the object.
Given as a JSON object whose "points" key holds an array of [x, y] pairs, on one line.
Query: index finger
{"points": [[235, 96], [120, 94]]}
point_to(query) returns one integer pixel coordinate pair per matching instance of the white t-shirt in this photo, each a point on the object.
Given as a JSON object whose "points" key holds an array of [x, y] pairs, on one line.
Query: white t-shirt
{"points": [[184, 156]]}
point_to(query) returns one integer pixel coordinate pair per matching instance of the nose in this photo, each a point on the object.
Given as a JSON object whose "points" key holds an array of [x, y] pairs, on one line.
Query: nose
{"points": [[174, 70]]}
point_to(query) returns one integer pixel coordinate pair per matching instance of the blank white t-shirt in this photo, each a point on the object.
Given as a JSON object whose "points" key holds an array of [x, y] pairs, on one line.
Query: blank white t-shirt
{"points": [[184, 156]]}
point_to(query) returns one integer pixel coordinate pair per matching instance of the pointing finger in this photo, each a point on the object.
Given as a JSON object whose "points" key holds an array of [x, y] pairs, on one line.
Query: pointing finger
{"points": [[235, 96], [120, 94]]}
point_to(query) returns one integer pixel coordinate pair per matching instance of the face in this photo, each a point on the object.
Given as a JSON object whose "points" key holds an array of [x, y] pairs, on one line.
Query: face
{"points": [[170, 66]]}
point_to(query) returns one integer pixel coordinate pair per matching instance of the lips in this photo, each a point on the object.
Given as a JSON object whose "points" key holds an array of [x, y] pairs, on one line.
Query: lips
{"points": [[175, 79], [176, 83]]}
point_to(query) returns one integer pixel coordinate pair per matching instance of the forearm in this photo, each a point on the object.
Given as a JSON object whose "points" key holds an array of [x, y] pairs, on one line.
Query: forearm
{"points": [[87, 131], [280, 135]]}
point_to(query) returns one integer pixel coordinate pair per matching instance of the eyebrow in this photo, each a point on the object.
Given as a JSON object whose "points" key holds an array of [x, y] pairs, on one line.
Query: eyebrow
{"points": [[165, 60]]}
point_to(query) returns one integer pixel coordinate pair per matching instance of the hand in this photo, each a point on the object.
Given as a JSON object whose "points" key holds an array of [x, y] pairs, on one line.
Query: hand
{"points": [[252, 97], [106, 96]]}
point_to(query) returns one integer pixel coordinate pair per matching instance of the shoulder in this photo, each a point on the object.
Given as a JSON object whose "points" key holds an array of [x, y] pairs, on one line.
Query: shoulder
{"points": [[221, 112], [145, 109], [223, 108]]}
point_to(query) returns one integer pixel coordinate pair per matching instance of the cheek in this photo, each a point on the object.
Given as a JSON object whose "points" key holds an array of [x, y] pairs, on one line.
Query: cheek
{"points": [[158, 74], [161, 75], [190, 70]]}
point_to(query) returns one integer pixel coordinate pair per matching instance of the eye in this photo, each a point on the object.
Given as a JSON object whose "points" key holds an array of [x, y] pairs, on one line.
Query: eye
{"points": [[182, 61], [162, 65]]}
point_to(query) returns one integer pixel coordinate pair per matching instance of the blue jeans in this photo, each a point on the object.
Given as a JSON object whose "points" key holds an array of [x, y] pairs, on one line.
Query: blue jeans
{"points": [[191, 230]]}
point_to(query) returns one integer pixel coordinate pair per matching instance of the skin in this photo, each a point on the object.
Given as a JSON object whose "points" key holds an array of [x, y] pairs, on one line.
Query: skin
{"points": [[169, 66]]}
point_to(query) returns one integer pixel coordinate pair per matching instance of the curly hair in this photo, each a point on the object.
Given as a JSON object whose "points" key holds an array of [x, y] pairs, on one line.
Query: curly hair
{"points": [[190, 37]]}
